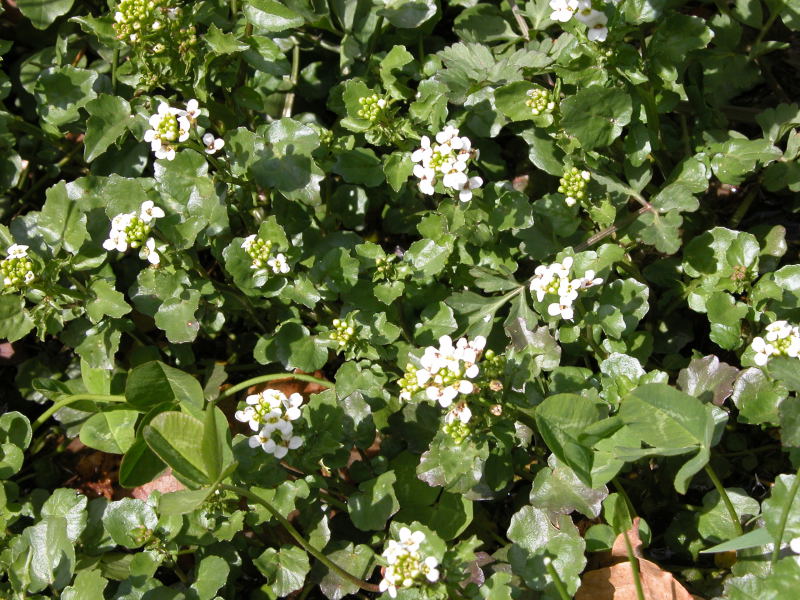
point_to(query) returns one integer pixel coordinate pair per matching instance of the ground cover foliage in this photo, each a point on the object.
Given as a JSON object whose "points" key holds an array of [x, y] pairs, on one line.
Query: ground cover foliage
{"points": [[530, 269]]}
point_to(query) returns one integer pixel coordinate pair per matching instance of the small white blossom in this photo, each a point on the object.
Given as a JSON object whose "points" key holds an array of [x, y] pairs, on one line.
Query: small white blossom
{"points": [[192, 112], [794, 545], [271, 414], [131, 230], [212, 144], [167, 127], [554, 280], [781, 339], [563, 10], [278, 264], [149, 211], [448, 158], [405, 566], [446, 370]]}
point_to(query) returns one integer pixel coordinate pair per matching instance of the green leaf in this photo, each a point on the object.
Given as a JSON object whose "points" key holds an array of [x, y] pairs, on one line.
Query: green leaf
{"points": [[374, 503], [757, 397], [140, 465], [155, 383], [561, 419], [535, 538], [130, 522], [176, 438], [781, 500], [110, 431], [223, 43], [353, 559], [183, 501], [714, 522], [785, 370], [15, 322], [672, 41], [268, 16], [737, 158], [620, 306], [288, 136], [293, 347], [212, 573], [751, 539], [511, 100], [107, 302], [61, 222], [428, 257], [88, 585], [109, 117], [596, 115], [408, 14], [61, 92], [285, 569], [725, 315], [176, 317], [360, 166], [708, 379], [558, 490], [394, 70], [397, 167], [43, 14], [543, 151], [665, 418], [15, 429]]}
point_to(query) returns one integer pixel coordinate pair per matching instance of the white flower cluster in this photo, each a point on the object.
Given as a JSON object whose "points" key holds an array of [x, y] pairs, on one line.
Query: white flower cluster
{"points": [[17, 269], [405, 567], [448, 158], [456, 422], [130, 229], [261, 253], [270, 414], [781, 339], [554, 280], [582, 10], [171, 126], [446, 371]]}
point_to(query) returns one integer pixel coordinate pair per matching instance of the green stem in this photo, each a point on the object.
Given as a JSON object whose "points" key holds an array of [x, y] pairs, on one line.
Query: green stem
{"points": [[763, 31], [114, 61], [551, 570], [288, 103], [725, 498], [369, 587], [66, 401], [637, 579], [272, 377], [776, 551], [621, 491], [743, 207]]}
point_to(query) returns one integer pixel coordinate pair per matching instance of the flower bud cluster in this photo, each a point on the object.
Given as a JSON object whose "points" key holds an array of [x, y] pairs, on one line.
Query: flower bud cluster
{"points": [[384, 266], [130, 229], [573, 185], [372, 107], [153, 25], [261, 253], [781, 339], [17, 268], [554, 280], [448, 158], [540, 101], [456, 422], [342, 333], [171, 126], [583, 11], [271, 414], [445, 371], [405, 566]]}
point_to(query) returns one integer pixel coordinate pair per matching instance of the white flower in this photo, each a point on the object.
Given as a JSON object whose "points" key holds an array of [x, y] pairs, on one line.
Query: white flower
{"points": [[248, 241], [561, 309], [473, 183], [423, 152], [774, 331], [212, 144], [447, 134], [597, 32], [563, 9], [149, 211], [148, 252], [460, 412], [167, 126], [795, 545], [193, 111], [17, 251], [763, 351], [278, 264]]}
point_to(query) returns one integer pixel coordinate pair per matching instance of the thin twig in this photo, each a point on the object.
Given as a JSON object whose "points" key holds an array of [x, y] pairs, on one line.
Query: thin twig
{"points": [[523, 26]]}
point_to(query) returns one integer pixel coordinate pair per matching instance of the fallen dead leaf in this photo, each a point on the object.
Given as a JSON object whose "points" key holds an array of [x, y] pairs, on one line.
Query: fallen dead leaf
{"points": [[615, 581], [164, 483]]}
